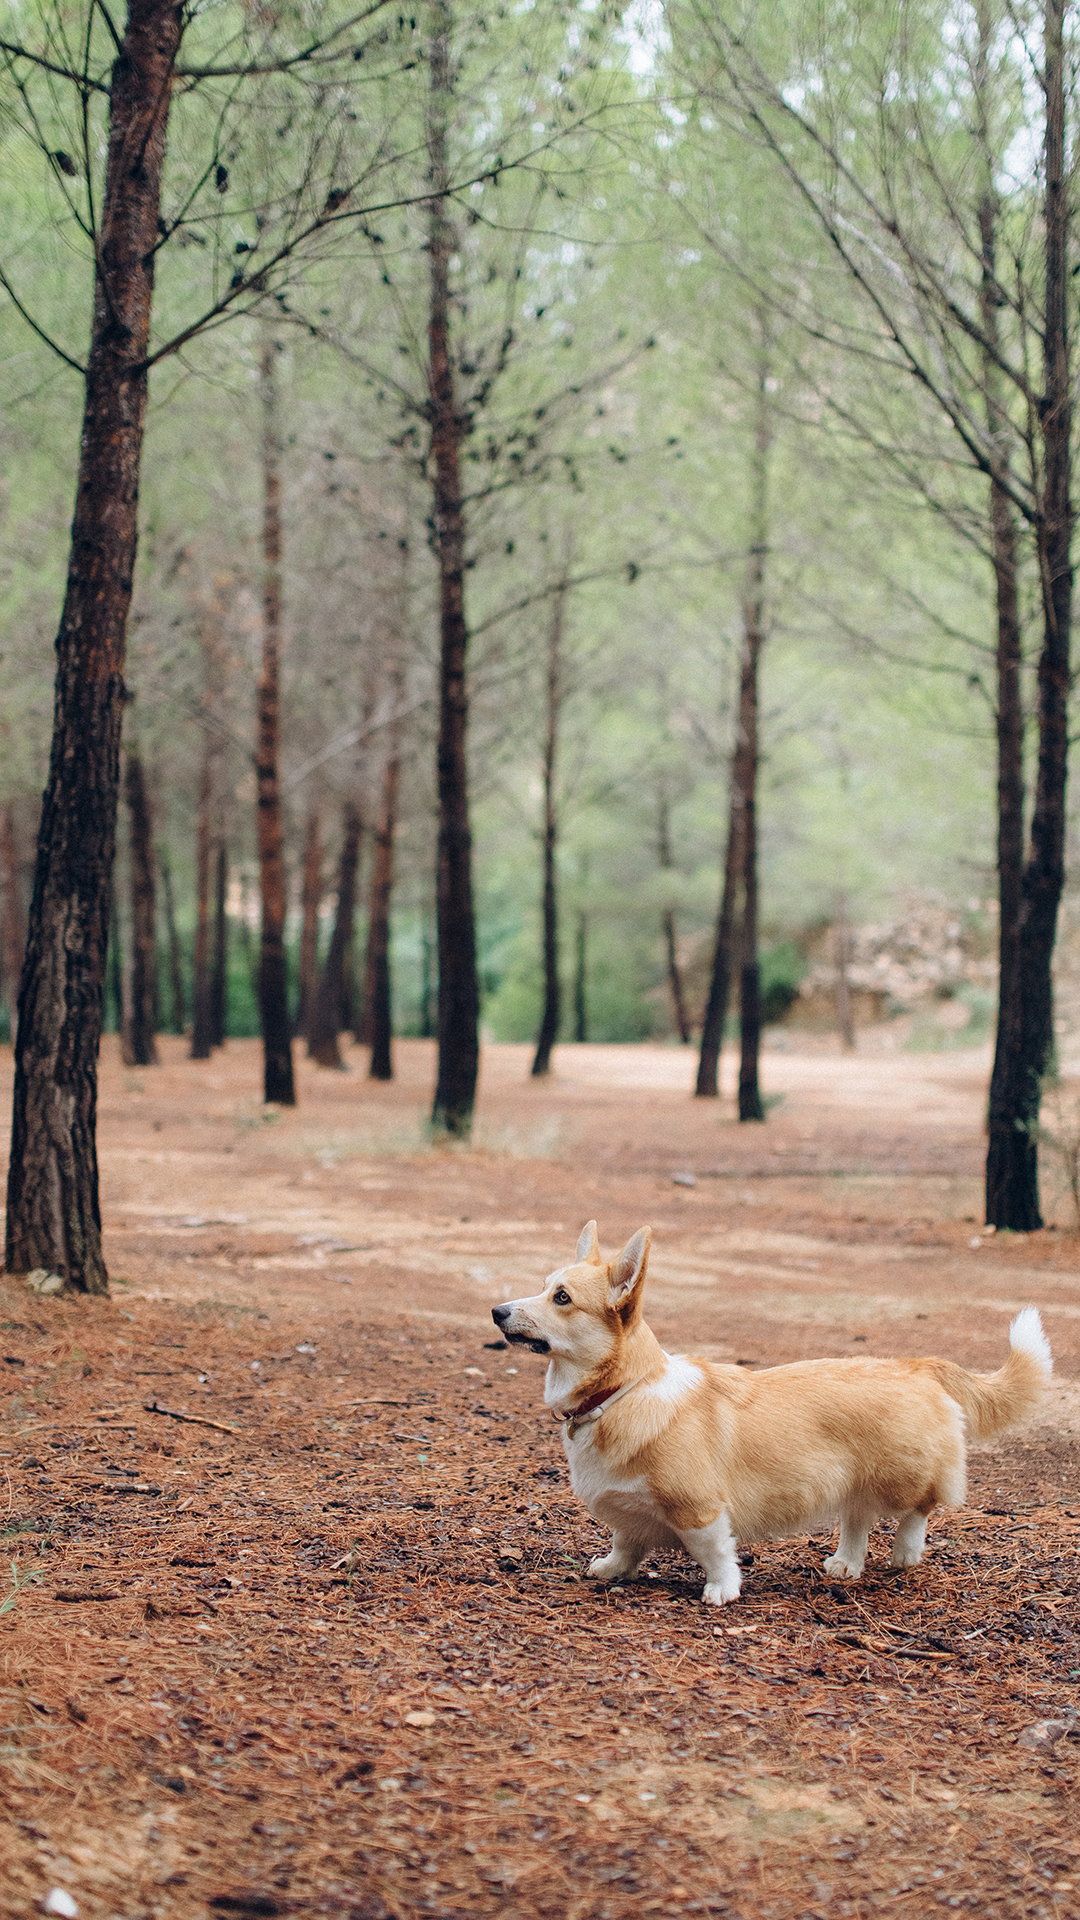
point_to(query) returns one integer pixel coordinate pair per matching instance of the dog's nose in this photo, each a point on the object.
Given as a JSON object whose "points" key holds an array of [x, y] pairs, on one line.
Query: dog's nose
{"points": [[501, 1315]]}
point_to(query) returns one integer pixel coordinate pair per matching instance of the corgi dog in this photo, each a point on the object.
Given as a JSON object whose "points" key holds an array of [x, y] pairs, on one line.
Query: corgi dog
{"points": [[671, 1451]]}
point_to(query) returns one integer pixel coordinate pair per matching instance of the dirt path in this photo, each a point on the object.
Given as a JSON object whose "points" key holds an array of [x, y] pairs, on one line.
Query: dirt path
{"points": [[323, 1646]]}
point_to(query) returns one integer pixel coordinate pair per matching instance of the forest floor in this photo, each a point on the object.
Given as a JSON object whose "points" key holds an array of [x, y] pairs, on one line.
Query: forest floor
{"points": [[323, 1645]]}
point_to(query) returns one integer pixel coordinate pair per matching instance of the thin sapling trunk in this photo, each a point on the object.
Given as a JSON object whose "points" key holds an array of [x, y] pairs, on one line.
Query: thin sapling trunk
{"points": [[549, 1022], [273, 987], [328, 1018]]}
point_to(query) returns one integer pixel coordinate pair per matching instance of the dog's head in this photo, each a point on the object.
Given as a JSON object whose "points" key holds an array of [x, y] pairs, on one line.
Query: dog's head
{"points": [[587, 1309]]}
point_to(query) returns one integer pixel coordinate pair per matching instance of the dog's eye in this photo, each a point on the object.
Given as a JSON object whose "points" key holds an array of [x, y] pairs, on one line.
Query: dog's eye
{"points": [[562, 1298]]}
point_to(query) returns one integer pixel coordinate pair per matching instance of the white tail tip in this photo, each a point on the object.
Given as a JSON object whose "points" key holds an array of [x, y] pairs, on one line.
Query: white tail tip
{"points": [[1026, 1334]]}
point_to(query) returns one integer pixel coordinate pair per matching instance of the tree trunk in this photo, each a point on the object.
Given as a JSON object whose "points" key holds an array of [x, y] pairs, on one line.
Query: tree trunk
{"points": [[750, 1107], [176, 963], [202, 1031], [845, 1025], [581, 1023], [716, 1006], [114, 979], [12, 926], [143, 915], [273, 986], [377, 1001], [53, 1213], [219, 979], [667, 864], [427, 1024], [459, 995], [309, 933], [1025, 1044], [549, 1024], [328, 1014]]}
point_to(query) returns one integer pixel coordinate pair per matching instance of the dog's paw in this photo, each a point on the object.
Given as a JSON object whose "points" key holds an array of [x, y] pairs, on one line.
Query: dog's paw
{"points": [[719, 1593], [839, 1569], [905, 1556], [609, 1568]]}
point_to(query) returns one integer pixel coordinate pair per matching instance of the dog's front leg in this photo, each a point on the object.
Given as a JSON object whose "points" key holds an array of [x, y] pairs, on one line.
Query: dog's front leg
{"points": [[713, 1548], [620, 1564]]}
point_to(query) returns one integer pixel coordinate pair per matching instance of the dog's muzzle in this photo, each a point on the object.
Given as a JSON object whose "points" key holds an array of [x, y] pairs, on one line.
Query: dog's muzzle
{"points": [[501, 1316]]}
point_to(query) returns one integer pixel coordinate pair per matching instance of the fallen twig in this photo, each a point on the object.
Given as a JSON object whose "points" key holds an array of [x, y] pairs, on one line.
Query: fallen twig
{"points": [[192, 1419]]}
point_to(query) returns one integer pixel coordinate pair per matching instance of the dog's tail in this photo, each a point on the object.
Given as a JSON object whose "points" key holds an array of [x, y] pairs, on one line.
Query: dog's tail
{"points": [[993, 1401]]}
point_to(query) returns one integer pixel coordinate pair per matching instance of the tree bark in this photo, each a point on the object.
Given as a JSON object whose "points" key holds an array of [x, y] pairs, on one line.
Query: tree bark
{"points": [[581, 1011], [459, 995], [176, 962], [1025, 1043], [549, 909], [716, 1006], [219, 978], [328, 1018], [377, 995], [667, 864], [53, 1213], [309, 933], [13, 926], [750, 1106], [115, 970], [273, 986], [203, 1025], [143, 916]]}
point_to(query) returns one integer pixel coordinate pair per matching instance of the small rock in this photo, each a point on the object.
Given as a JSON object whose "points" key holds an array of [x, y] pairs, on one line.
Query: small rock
{"points": [[474, 1373], [421, 1717], [42, 1281], [684, 1180], [1045, 1734], [57, 1901]]}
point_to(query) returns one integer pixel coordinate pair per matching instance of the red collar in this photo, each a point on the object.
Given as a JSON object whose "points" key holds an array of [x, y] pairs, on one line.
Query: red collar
{"points": [[587, 1406]]}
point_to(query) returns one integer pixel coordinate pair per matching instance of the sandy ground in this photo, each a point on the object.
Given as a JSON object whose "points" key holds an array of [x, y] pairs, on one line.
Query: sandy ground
{"points": [[363, 1516]]}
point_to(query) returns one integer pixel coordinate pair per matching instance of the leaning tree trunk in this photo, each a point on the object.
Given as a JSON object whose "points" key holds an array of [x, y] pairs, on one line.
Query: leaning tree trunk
{"points": [[328, 1013], [143, 916], [309, 933], [549, 1023], [750, 1106], [716, 1006], [378, 1015], [219, 978], [667, 865], [53, 1213], [176, 964], [1025, 1049], [273, 986], [459, 993], [12, 925]]}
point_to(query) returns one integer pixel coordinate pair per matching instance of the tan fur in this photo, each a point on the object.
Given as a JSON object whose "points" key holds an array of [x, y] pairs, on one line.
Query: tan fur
{"points": [[708, 1455]]}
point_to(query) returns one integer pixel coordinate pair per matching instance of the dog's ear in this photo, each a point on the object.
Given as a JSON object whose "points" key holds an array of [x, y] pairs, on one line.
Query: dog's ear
{"points": [[588, 1247], [628, 1273]]}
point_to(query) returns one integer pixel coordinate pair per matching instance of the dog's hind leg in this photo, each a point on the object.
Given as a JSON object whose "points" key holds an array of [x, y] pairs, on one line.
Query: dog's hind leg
{"points": [[713, 1548], [621, 1563], [909, 1540], [850, 1557]]}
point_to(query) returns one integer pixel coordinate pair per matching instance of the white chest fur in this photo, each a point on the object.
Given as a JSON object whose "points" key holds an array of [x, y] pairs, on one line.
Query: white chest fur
{"points": [[616, 1498]]}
